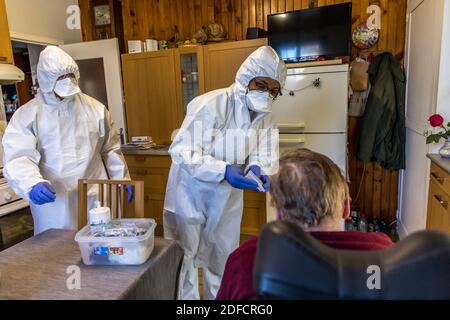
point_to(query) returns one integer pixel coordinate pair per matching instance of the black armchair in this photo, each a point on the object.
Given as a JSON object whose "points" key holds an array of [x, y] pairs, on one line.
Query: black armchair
{"points": [[291, 264]]}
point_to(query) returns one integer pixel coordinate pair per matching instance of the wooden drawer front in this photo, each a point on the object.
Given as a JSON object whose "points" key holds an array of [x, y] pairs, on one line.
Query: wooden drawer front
{"points": [[438, 208], [441, 177], [155, 179], [149, 161], [254, 215], [154, 206]]}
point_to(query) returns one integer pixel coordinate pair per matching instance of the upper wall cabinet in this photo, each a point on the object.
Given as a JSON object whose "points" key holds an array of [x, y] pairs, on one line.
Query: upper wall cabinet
{"points": [[159, 85], [6, 54], [151, 100], [223, 60], [190, 75]]}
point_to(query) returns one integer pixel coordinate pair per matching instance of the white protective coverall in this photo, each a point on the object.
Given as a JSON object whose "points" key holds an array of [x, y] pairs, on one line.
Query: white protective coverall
{"points": [[59, 142], [202, 211]]}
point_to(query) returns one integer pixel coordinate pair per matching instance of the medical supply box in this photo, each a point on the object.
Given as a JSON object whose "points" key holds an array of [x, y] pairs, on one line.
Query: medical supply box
{"points": [[117, 250]]}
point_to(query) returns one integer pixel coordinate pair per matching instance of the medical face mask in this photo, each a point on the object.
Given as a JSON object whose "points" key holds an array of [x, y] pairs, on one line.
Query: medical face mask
{"points": [[67, 88], [259, 101]]}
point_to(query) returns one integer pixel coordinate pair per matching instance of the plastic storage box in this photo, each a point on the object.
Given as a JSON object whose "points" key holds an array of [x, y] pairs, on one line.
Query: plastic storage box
{"points": [[117, 250]]}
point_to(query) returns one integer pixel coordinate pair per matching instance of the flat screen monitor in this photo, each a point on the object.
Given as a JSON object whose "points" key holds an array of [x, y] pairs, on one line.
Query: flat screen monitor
{"points": [[304, 35]]}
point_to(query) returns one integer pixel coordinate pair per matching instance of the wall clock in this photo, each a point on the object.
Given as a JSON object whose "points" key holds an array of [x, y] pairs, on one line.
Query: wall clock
{"points": [[102, 15]]}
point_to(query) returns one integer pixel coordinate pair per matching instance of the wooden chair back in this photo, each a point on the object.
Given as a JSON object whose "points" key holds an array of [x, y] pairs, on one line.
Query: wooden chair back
{"points": [[112, 194]]}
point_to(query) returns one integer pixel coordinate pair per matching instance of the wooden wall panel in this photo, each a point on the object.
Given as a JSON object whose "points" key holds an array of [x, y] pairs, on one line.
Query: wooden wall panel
{"points": [[161, 19], [374, 191]]}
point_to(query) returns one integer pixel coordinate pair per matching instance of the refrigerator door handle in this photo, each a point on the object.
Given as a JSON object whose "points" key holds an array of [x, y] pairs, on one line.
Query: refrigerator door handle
{"points": [[290, 141], [287, 127]]}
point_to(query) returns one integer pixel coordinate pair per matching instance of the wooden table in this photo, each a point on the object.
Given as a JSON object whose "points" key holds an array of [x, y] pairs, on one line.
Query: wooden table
{"points": [[40, 267]]}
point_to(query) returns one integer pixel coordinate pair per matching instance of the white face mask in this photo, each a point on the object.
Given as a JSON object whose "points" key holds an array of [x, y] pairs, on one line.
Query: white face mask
{"points": [[67, 88], [259, 101]]}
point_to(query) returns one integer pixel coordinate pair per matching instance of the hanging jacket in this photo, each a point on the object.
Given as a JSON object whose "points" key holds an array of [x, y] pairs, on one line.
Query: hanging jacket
{"points": [[383, 131]]}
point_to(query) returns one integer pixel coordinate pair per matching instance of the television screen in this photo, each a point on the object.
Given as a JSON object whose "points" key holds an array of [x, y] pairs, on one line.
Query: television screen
{"points": [[307, 34]]}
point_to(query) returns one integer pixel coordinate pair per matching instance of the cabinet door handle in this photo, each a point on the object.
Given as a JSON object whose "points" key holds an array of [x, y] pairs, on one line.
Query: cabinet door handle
{"points": [[441, 202], [140, 159], [438, 178], [3, 59], [141, 172]]}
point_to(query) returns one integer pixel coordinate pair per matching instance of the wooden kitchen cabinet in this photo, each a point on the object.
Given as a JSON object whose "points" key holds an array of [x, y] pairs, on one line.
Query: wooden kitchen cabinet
{"points": [[190, 76], [254, 216], [151, 99], [159, 85], [439, 199], [222, 61], [6, 53], [154, 171]]}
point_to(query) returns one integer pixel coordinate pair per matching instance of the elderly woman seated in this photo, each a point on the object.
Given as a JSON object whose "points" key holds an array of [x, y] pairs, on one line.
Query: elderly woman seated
{"points": [[311, 191]]}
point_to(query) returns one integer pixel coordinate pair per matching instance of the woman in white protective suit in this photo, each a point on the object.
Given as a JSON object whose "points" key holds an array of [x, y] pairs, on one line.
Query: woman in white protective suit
{"points": [[60, 136], [225, 134]]}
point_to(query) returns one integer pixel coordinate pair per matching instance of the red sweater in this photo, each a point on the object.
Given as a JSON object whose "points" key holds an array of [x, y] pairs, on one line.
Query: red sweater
{"points": [[237, 281]]}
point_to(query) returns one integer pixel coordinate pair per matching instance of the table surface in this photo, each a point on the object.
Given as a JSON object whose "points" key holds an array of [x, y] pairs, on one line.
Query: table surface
{"points": [[163, 151], [37, 269], [441, 162]]}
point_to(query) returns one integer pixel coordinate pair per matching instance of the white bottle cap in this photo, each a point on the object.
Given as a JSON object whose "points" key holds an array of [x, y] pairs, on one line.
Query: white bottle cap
{"points": [[99, 216]]}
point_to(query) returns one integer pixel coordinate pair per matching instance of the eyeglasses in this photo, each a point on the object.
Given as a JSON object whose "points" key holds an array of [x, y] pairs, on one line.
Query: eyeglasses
{"points": [[65, 76], [261, 85]]}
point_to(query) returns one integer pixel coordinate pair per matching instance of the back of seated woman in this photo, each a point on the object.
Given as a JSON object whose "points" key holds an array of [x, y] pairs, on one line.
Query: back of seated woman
{"points": [[309, 190]]}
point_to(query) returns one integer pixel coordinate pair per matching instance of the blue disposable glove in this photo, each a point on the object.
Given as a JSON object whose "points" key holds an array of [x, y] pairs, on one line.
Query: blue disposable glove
{"points": [[42, 193], [264, 179], [129, 189], [237, 179]]}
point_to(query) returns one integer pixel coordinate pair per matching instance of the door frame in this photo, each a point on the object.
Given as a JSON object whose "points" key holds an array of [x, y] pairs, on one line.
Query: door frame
{"points": [[110, 52], [419, 128], [33, 39]]}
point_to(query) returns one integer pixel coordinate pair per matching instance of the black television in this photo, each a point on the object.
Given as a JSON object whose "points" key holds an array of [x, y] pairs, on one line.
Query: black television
{"points": [[305, 35]]}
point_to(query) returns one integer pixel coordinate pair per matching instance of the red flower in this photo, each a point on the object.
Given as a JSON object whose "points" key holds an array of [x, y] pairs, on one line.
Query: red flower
{"points": [[436, 120]]}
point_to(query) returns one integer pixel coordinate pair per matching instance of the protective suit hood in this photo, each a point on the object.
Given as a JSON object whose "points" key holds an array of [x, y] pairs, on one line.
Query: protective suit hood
{"points": [[264, 62], [54, 63]]}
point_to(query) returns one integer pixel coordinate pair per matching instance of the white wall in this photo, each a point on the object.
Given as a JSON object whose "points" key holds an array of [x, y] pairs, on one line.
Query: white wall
{"points": [[45, 19], [428, 92], [443, 96]]}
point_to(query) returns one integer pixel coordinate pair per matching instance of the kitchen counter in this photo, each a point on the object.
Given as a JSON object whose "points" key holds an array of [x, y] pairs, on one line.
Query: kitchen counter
{"points": [[160, 151], [41, 267], [441, 162]]}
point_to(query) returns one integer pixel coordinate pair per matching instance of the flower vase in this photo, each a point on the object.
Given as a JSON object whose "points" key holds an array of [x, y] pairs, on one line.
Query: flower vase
{"points": [[445, 150]]}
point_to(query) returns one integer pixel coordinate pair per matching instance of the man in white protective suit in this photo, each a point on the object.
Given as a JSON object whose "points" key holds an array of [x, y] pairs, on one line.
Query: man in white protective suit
{"points": [[225, 134], [59, 137]]}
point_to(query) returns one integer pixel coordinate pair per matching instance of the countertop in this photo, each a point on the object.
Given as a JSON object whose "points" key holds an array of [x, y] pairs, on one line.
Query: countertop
{"points": [[41, 268], [441, 162], [159, 151]]}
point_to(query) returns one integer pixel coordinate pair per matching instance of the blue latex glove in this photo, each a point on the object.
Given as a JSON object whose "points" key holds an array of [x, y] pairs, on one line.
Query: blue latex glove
{"points": [[237, 179], [42, 193], [130, 193], [264, 179]]}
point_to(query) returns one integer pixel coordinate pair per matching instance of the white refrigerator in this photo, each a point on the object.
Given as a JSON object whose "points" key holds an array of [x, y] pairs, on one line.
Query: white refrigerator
{"points": [[312, 113]]}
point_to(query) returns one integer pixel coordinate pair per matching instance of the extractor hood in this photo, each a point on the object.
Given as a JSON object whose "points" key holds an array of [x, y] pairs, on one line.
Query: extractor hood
{"points": [[10, 74]]}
